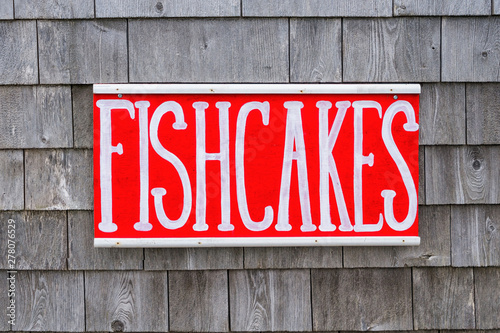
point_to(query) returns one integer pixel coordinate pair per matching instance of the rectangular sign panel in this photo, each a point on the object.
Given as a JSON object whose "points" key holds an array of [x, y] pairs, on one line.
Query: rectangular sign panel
{"points": [[255, 165]]}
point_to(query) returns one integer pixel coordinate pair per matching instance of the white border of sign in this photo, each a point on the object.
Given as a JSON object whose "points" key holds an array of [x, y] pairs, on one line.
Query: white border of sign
{"points": [[256, 241], [256, 89]]}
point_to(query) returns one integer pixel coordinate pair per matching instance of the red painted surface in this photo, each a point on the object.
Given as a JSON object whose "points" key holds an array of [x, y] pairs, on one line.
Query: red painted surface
{"points": [[263, 163]]}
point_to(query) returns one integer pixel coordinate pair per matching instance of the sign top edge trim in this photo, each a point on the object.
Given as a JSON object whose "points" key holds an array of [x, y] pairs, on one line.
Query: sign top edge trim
{"points": [[257, 89]]}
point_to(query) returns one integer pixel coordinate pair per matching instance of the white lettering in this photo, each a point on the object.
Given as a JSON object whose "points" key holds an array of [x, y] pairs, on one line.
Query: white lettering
{"points": [[388, 195], [159, 192], [106, 149], [241, 195], [294, 134]]}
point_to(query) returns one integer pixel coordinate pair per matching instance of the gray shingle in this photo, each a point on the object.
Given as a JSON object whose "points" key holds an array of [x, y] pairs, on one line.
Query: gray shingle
{"points": [[167, 8], [82, 52], [318, 8], [36, 117], [487, 297], [462, 175], [50, 301], [58, 179], [222, 50], [441, 7], [475, 235], [11, 179], [6, 10], [315, 50], [470, 50], [483, 116], [54, 9], [18, 58], [391, 50], [83, 107], [443, 298]]}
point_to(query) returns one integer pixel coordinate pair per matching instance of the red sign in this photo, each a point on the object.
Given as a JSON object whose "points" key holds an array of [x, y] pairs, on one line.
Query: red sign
{"points": [[255, 165]]}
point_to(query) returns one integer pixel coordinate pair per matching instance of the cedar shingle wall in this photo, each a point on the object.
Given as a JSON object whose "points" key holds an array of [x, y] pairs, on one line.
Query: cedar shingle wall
{"points": [[52, 51]]}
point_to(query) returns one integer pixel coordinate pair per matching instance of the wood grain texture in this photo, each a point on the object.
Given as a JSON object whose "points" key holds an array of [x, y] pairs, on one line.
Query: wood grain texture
{"points": [[11, 180], [126, 301], [475, 235], [471, 51], [434, 249], [41, 239], [496, 7], [50, 301], [421, 175], [6, 11], [315, 50], [83, 128], [58, 179], [198, 301], [270, 300], [5, 300], [54, 9], [82, 51], [487, 297], [462, 175], [442, 114], [36, 117], [443, 298], [317, 8], [441, 7], [483, 116], [293, 257], [83, 255], [18, 58], [193, 259], [361, 299], [222, 50], [391, 50], [167, 8]]}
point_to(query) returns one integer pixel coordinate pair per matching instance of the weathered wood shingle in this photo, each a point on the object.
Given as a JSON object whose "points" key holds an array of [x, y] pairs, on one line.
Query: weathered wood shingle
{"points": [[462, 175], [36, 117], [441, 7], [193, 258], [318, 8], [434, 248], [496, 7], [391, 50], [361, 299], [11, 179], [293, 257], [222, 50], [126, 301], [487, 297], [50, 301], [54, 9], [6, 10], [270, 300], [198, 301], [475, 235], [315, 50], [442, 114], [82, 51], [443, 298], [41, 239], [483, 113], [58, 179], [82, 116], [167, 8], [421, 175], [83, 255], [18, 58], [470, 49], [5, 285]]}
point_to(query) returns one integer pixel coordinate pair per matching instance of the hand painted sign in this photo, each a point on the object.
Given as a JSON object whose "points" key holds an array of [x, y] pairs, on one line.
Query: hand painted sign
{"points": [[255, 165]]}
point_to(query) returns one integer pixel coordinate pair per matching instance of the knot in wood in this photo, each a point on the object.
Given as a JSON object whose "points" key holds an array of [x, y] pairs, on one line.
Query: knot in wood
{"points": [[159, 6], [476, 165], [117, 326]]}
